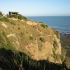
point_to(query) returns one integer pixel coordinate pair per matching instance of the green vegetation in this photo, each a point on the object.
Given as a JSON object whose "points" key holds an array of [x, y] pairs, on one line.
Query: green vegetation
{"points": [[68, 53], [41, 22], [4, 19], [30, 37], [44, 26], [42, 39], [55, 44], [4, 42], [15, 16], [20, 17], [54, 55], [63, 54], [19, 34], [10, 60]]}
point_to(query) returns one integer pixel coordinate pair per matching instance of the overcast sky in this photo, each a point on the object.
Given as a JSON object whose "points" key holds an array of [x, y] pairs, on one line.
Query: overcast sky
{"points": [[36, 7]]}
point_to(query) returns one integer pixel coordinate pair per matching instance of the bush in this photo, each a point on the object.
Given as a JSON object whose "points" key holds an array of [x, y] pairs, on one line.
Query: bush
{"points": [[44, 26], [4, 19], [20, 17], [13, 16], [42, 39], [30, 37]]}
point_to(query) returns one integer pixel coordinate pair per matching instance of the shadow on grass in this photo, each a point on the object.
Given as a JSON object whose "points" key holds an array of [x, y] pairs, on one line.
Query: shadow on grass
{"points": [[11, 60], [8, 60]]}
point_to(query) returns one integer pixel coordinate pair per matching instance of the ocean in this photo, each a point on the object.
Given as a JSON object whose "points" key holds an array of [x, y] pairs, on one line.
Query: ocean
{"points": [[61, 23]]}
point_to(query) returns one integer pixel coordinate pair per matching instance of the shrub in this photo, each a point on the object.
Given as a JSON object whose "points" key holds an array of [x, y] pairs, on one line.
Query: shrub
{"points": [[13, 16], [40, 22], [42, 39], [30, 37], [44, 26], [20, 17]]}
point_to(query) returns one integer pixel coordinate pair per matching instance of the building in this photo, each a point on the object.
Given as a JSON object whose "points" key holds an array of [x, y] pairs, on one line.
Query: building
{"points": [[13, 13]]}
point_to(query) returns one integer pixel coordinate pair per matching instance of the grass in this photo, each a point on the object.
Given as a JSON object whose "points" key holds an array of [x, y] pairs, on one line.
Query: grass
{"points": [[4, 42], [12, 23], [39, 48], [21, 34], [4, 19], [55, 44]]}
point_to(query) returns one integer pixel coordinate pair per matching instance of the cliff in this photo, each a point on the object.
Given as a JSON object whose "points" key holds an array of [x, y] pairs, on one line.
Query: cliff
{"points": [[35, 39]]}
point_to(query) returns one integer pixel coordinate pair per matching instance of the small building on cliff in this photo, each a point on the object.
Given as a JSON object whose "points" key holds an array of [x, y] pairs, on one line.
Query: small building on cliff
{"points": [[13, 13]]}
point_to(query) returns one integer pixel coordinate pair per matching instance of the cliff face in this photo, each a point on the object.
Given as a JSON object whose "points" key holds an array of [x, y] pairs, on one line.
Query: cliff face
{"points": [[35, 39]]}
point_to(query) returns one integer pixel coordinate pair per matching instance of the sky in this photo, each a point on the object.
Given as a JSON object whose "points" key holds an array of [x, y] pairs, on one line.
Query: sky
{"points": [[36, 7]]}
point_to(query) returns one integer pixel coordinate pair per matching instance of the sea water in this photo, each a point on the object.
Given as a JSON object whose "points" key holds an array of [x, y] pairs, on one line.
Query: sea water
{"points": [[61, 23]]}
